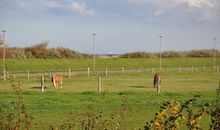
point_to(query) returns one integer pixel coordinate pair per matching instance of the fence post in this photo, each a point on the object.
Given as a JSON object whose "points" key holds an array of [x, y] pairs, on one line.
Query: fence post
{"points": [[217, 69], [106, 71], [138, 70], [88, 72], [42, 84], [122, 69], [204, 68], [28, 74], [99, 84], [192, 69], [69, 73]]}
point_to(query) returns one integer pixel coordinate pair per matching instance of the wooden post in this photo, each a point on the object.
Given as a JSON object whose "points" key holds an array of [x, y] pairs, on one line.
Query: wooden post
{"points": [[217, 69], [192, 69], [42, 84], [28, 74], [106, 71], [69, 73], [99, 84], [204, 68], [88, 72], [138, 70], [122, 69]]}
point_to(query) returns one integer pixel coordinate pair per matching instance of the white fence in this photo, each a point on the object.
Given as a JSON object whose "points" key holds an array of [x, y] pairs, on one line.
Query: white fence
{"points": [[106, 71]]}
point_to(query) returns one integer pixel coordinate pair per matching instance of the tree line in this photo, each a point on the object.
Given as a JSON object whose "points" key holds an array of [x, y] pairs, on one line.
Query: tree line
{"points": [[41, 50], [173, 54]]}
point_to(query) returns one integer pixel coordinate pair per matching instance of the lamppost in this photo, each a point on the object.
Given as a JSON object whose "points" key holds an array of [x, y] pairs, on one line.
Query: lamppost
{"points": [[160, 51], [94, 51], [4, 40], [214, 52]]}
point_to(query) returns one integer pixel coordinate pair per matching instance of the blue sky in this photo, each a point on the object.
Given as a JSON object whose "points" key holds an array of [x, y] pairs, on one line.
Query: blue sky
{"points": [[121, 26]]}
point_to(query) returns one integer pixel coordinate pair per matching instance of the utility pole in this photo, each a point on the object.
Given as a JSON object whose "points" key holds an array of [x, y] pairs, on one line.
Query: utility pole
{"points": [[214, 53], [94, 51], [4, 40], [160, 51]]}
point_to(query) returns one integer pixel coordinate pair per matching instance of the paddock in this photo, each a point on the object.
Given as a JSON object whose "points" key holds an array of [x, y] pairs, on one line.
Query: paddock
{"points": [[80, 90]]}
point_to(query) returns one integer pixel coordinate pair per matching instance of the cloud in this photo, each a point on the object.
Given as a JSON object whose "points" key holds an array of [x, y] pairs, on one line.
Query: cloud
{"points": [[52, 4], [203, 10], [173, 3], [197, 3], [81, 8], [30, 7], [44, 6]]}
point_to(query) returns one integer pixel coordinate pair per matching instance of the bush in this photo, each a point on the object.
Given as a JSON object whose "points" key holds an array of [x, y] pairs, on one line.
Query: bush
{"points": [[40, 50], [94, 119], [171, 116], [14, 116], [138, 55], [172, 54]]}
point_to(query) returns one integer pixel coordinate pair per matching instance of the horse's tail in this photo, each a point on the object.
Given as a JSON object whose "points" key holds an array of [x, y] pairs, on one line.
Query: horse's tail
{"points": [[155, 79], [53, 81]]}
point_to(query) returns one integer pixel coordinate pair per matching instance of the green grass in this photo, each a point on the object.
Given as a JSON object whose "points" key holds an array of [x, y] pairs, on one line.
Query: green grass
{"points": [[54, 105], [84, 63]]}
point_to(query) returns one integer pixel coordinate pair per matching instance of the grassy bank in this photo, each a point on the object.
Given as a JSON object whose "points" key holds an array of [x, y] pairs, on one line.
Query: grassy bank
{"points": [[84, 63]]}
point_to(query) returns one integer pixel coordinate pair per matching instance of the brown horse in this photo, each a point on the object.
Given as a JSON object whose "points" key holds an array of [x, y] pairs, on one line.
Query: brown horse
{"points": [[57, 80], [157, 82]]}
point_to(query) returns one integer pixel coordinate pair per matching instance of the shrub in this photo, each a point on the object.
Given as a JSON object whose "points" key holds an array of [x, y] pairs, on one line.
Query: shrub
{"points": [[16, 53], [172, 54], [171, 114], [95, 119], [215, 115], [40, 50], [138, 55], [14, 116]]}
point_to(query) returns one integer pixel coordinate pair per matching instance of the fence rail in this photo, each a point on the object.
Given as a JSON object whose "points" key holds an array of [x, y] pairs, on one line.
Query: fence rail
{"points": [[106, 71]]}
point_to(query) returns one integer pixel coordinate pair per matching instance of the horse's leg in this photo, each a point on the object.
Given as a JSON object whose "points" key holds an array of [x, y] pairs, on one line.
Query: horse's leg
{"points": [[61, 84], [158, 89], [55, 85]]}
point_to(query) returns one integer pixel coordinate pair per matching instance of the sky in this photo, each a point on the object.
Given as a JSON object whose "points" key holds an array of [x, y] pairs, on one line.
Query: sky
{"points": [[121, 26]]}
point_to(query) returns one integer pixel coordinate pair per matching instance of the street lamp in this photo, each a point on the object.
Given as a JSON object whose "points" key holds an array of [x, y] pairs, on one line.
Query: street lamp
{"points": [[160, 51], [94, 51], [3, 35], [214, 53]]}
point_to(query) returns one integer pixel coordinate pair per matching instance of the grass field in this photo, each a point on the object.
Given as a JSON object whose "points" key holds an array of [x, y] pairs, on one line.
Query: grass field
{"points": [[79, 91], [101, 63]]}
